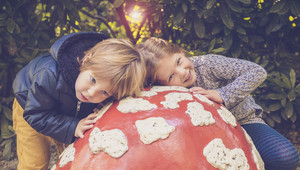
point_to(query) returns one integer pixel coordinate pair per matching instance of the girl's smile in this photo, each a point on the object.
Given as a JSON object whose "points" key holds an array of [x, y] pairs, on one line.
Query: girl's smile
{"points": [[176, 70], [189, 77]]}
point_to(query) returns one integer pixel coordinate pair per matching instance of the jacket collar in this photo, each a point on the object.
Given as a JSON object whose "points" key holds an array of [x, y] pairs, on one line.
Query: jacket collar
{"points": [[69, 49]]}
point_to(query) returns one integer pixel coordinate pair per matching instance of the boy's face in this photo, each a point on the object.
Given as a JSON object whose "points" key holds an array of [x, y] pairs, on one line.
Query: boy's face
{"points": [[90, 90], [176, 70]]}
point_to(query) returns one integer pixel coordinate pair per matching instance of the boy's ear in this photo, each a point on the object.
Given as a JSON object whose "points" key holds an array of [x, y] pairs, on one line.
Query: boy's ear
{"points": [[86, 58]]}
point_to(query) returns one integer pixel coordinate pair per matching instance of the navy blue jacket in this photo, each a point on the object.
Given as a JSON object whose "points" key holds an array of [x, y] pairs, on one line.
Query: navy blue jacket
{"points": [[45, 87]]}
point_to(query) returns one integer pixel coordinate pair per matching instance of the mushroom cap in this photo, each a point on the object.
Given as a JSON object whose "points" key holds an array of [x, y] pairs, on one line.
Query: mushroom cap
{"points": [[166, 128]]}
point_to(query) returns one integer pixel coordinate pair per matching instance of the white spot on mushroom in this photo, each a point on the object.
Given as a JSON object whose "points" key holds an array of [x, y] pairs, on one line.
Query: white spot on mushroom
{"points": [[256, 156], [223, 158], [148, 93], [168, 88], [68, 155], [153, 91], [153, 128], [204, 99], [172, 99], [53, 167], [112, 142], [227, 116], [133, 105], [198, 115]]}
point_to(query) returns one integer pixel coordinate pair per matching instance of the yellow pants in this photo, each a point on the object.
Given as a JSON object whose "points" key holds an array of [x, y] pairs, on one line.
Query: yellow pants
{"points": [[33, 148]]}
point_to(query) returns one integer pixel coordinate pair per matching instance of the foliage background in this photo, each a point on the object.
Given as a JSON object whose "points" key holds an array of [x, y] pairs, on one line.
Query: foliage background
{"points": [[263, 32]]}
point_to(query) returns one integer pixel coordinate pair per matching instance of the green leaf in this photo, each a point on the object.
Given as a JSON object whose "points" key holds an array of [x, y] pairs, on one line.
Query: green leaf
{"points": [[289, 110], [227, 42], [67, 4], [44, 35], [218, 50], [273, 26], [286, 81], [3, 16], [292, 95], [293, 77], [11, 129], [211, 45], [179, 17], [240, 30], [275, 107], [7, 149], [247, 2], [236, 51], [285, 9], [297, 88], [270, 122], [17, 28], [278, 6], [283, 102], [210, 4], [199, 27], [184, 7], [283, 114], [7, 112], [10, 26], [294, 118], [35, 52], [234, 6], [295, 7], [226, 17], [243, 38], [275, 96], [276, 118], [216, 29], [278, 81], [118, 3], [5, 133]]}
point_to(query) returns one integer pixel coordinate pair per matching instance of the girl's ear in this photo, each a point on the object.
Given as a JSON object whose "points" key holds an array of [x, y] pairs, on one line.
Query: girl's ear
{"points": [[86, 58]]}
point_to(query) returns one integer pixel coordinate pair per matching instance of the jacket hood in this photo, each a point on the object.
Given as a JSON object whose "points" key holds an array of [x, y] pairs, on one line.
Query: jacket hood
{"points": [[69, 49]]}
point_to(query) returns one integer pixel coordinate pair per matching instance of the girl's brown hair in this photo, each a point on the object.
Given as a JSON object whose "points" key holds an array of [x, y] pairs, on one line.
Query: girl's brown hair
{"points": [[153, 50]]}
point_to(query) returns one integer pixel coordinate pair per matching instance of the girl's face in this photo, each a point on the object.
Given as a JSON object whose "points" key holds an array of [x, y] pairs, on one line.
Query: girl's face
{"points": [[176, 70], [90, 90]]}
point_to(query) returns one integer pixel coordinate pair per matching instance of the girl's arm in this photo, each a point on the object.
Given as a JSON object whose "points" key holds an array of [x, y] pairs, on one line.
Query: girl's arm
{"points": [[40, 109], [237, 78]]}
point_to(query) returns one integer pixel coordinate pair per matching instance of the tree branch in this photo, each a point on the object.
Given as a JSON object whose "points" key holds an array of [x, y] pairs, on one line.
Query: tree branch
{"points": [[104, 20], [125, 23]]}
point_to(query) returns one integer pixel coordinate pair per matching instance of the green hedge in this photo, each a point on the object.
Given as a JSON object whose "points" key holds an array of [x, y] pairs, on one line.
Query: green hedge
{"points": [[263, 32]]}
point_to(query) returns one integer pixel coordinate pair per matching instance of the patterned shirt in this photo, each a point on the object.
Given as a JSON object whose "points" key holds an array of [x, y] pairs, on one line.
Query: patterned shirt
{"points": [[234, 79]]}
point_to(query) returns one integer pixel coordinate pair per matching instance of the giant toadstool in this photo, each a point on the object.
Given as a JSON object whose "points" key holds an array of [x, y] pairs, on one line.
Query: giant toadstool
{"points": [[166, 128]]}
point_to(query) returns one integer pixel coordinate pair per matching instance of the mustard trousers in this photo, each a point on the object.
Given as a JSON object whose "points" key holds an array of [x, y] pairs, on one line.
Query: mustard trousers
{"points": [[33, 148]]}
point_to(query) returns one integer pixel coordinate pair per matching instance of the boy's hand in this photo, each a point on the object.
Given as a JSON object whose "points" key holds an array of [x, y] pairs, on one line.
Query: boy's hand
{"points": [[85, 124], [210, 94]]}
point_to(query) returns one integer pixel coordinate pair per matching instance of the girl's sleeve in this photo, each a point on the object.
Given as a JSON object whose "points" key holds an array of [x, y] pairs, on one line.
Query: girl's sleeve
{"points": [[240, 77], [40, 109]]}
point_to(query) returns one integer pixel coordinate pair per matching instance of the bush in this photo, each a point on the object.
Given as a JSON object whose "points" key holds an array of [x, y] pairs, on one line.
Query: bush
{"points": [[263, 32]]}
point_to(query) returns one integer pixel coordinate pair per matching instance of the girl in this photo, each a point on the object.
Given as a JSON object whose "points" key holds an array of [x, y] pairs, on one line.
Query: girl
{"points": [[227, 81], [56, 94]]}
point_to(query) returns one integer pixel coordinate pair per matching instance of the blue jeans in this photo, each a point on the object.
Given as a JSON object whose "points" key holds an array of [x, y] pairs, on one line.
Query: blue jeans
{"points": [[277, 152]]}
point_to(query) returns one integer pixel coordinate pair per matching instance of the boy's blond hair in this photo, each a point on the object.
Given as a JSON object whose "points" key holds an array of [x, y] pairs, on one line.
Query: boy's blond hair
{"points": [[153, 50], [119, 61]]}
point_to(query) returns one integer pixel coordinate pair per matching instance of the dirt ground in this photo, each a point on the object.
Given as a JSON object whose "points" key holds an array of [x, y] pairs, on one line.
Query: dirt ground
{"points": [[291, 134]]}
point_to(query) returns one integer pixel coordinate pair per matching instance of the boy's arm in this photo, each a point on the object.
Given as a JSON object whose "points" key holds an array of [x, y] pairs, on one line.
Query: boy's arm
{"points": [[40, 109], [240, 77]]}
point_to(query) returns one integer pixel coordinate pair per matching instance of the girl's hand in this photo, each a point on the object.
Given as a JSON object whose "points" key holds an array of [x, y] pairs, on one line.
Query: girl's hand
{"points": [[210, 94], [85, 124]]}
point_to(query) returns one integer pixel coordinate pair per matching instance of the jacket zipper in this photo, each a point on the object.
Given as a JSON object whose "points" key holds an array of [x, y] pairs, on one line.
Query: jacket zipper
{"points": [[78, 108]]}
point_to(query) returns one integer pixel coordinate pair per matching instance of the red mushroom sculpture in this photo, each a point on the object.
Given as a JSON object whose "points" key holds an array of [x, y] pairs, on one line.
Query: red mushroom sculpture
{"points": [[166, 128]]}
